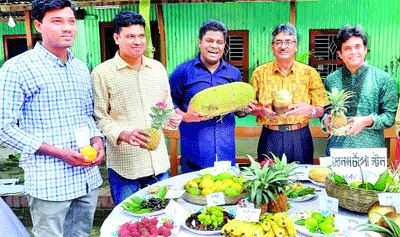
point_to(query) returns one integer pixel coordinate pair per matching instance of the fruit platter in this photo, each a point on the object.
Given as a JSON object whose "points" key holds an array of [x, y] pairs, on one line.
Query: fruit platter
{"points": [[146, 205], [320, 223], [208, 220], [143, 226], [199, 187]]}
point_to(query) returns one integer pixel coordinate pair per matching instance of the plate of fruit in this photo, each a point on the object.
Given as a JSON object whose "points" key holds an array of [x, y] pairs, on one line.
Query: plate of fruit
{"points": [[298, 192], [146, 205], [319, 223], [147, 226], [208, 220]]}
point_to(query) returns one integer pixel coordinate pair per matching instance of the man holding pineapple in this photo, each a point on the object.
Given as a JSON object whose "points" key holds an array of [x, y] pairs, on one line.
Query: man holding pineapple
{"points": [[127, 89], [287, 132], [371, 102]]}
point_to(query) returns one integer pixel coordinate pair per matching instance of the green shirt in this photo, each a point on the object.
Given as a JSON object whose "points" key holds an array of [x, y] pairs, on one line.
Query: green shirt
{"points": [[375, 95]]}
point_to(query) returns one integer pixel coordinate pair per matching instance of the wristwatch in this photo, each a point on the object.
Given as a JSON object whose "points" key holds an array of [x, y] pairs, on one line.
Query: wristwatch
{"points": [[313, 111]]}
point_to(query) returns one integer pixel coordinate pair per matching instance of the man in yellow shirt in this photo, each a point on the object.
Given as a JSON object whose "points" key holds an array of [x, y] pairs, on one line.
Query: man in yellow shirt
{"points": [[289, 132], [125, 89]]}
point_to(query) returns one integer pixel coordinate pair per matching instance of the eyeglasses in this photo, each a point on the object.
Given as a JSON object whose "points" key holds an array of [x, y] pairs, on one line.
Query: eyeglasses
{"points": [[281, 43]]}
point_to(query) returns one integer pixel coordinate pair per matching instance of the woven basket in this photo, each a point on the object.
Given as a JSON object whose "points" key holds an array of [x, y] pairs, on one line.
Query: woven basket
{"points": [[201, 200], [350, 198]]}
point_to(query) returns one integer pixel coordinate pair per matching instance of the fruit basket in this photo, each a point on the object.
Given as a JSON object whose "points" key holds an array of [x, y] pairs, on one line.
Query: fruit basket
{"points": [[201, 200], [350, 198]]}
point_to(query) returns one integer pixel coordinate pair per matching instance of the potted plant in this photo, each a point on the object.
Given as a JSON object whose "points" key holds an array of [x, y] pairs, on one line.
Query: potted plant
{"points": [[268, 182]]}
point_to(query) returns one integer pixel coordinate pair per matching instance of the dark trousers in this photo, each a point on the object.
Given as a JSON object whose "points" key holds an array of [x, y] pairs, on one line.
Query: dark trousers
{"points": [[297, 145]]}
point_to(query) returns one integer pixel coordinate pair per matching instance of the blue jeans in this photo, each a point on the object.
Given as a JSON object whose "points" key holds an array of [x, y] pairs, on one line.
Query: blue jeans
{"points": [[121, 188]]}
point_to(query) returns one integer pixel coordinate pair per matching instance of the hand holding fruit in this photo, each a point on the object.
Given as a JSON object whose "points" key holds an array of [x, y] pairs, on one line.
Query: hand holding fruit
{"points": [[136, 137], [359, 123], [175, 120], [328, 123], [191, 116], [299, 109], [259, 109]]}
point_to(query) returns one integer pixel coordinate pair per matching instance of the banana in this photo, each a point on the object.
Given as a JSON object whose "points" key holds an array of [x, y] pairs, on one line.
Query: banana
{"points": [[250, 230], [279, 231], [290, 227], [279, 219], [236, 229], [259, 232], [266, 225], [226, 229], [269, 233]]}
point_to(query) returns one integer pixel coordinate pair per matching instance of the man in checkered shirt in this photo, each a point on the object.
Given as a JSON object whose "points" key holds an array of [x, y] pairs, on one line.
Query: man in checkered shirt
{"points": [[46, 108]]}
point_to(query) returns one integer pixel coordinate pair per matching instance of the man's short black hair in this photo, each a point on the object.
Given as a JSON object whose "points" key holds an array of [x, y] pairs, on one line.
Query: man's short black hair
{"points": [[127, 18], [213, 25], [349, 31], [41, 7]]}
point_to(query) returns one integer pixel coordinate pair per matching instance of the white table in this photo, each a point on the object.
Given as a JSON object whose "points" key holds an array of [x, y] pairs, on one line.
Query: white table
{"points": [[118, 216]]}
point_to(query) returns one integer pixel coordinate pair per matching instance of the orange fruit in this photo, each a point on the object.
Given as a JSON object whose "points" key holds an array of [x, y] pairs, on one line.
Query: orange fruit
{"points": [[89, 153]]}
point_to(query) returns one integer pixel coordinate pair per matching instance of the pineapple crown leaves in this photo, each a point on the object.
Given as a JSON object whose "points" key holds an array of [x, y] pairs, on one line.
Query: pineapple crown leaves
{"points": [[160, 114], [394, 228], [339, 100], [268, 180]]}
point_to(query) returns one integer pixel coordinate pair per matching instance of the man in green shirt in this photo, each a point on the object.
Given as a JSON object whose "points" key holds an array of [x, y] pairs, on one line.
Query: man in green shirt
{"points": [[373, 106]]}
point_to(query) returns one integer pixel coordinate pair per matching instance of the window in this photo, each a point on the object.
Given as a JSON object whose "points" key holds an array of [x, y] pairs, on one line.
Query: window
{"points": [[323, 50], [237, 51], [16, 44]]}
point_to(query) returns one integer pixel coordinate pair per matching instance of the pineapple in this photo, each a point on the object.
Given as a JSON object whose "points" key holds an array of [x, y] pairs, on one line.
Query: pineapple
{"points": [[160, 114], [389, 226], [339, 103], [267, 188]]}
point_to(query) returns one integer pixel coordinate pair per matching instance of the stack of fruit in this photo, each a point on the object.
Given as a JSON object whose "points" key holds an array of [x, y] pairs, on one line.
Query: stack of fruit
{"points": [[209, 219], [208, 183], [146, 227], [317, 223], [278, 224]]}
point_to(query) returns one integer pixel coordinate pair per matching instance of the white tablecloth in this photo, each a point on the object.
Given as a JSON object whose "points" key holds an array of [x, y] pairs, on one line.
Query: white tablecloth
{"points": [[118, 216]]}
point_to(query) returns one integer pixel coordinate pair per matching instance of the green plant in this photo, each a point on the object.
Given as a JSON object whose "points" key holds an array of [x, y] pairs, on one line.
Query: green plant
{"points": [[268, 183], [14, 158], [392, 231]]}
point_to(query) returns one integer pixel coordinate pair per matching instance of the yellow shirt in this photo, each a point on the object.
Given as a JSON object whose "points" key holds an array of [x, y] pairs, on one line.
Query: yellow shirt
{"points": [[123, 98], [303, 82]]}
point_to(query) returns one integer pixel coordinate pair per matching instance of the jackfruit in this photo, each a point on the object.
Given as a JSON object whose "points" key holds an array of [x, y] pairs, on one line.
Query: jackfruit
{"points": [[223, 99]]}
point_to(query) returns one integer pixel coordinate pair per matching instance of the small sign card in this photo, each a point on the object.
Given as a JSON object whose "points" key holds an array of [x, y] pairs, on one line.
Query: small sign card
{"points": [[176, 212], [173, 193], [347, 163], [389, 199], [215, 199], [325, 161], [328, 203], [248, 214], [224, 165]]}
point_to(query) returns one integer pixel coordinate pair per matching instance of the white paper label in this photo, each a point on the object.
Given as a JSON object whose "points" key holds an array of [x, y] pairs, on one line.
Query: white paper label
{"points": [[215, 199], [171, 194], [325, 161], [247, 214], [176, 212], [389, 199], [222, 165], [328, 203], [349, 163], [82, 137]]}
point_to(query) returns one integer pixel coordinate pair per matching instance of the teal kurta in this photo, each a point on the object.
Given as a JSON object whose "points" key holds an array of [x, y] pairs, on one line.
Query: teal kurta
{"points": [[375, 95]]}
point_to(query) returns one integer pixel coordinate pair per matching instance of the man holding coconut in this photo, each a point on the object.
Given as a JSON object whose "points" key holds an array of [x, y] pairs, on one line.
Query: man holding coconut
{"points": [[288, 95]]}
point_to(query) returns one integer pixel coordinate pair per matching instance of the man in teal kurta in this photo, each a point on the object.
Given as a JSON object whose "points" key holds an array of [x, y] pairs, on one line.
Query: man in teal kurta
{"points": [[373, 107]]}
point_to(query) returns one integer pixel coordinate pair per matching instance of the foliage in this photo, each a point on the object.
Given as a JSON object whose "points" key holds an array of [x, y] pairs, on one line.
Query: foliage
{"points": [[268, 180], [339, 101], [394, 228]]}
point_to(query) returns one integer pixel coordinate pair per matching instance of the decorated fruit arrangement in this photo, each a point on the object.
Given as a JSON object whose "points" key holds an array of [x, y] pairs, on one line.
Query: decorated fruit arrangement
{"points": [[146, 227], [147, 205], [278, 224], [318, 223], [208, 183], [383, 220], [298, 190], [209, 219]]}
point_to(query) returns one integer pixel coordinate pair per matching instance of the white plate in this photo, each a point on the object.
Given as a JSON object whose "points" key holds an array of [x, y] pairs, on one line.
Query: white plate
{"points": [[303, 198], [317, 183], [199, 232], [161, 220], [156, 213], [341, 223], [215, 171]]}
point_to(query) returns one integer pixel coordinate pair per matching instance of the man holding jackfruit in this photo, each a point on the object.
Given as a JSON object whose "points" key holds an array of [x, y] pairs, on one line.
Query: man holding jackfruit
{"points": [[285, 126], [204, 139]]}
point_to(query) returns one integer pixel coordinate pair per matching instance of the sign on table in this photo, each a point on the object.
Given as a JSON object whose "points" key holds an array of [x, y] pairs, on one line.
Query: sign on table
{"points": [[248, 214], [328, 203], [349, 163], [215, 199]]}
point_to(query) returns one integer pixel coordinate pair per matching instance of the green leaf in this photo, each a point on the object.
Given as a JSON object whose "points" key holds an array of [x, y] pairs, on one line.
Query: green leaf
{"points": [[136, 200], [339, 179], [380, 184], [300, 222], [162, 192]]}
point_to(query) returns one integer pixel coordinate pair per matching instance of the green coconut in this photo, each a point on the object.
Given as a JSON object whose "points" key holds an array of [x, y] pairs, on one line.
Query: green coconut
{"points": [[282, 99], [223, 99]]}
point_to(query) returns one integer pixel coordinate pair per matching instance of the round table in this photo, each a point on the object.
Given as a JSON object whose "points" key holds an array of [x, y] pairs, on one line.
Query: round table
{"points": [[118, 216]]}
